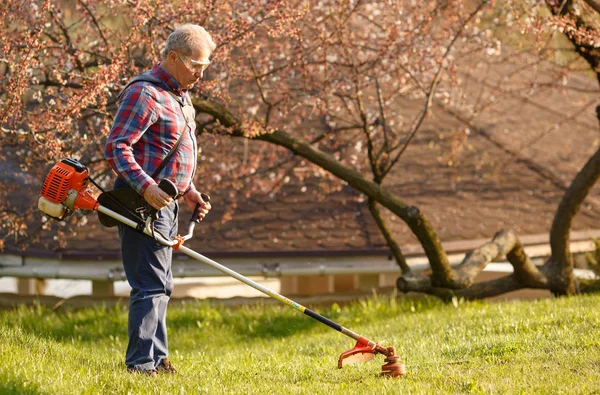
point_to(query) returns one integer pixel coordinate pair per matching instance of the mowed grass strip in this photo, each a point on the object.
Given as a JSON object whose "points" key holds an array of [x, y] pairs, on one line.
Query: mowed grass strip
{"points": [[550, 346]]}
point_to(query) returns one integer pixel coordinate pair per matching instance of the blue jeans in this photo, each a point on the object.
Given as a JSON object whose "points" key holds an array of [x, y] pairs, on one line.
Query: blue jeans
{"points": [[148, 268]]}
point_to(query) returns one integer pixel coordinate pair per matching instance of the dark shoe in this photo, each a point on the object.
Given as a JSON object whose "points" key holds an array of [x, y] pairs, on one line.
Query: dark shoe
{"points": [[166, 367], [150, 372]]}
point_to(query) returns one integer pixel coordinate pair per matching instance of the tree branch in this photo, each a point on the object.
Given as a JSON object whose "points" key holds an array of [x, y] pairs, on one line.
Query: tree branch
{"points": [[70, 49], [389, 237], [561, 264], [382, 117], [417, 222], [431, 93], [504, 243], [94, 21], [594, 4]]}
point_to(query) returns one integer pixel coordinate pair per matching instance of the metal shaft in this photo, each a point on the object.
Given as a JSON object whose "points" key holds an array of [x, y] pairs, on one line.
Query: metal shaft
{"points": [[193, 254], [223, 269]]}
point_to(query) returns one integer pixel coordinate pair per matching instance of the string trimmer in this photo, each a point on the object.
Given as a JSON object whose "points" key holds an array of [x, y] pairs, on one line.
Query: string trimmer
{"points": [[66, 190]]}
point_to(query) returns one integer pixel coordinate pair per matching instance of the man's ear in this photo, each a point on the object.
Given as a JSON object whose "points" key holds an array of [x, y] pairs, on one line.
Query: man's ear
{"points": [[172, 57]]}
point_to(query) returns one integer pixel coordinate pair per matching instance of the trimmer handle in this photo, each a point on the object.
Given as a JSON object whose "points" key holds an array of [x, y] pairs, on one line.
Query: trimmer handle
{"points": [[168, 186], [196, 215]]}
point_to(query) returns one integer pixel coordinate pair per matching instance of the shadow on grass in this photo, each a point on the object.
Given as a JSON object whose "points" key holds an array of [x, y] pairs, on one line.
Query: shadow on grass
{"points": [[102, 324], [279, 321], [271, 326], [11, 385], [493, 351], [244, 322], [88, 325], [247, 322]]}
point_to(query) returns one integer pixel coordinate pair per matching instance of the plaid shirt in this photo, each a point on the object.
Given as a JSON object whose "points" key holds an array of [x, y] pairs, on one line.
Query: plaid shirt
{"points": [[147, 125]]}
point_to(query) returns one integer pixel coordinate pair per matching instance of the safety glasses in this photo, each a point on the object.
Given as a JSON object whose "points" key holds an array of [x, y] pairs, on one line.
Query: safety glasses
{"points": [[194, 65]]}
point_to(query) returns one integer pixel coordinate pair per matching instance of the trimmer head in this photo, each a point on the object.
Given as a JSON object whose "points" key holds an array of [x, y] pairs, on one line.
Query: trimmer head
{"points": [[393, 367], [361, 353]]}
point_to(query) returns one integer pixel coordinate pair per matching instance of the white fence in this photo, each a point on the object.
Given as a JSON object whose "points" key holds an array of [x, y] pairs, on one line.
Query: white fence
{"points": [[304, 273]]}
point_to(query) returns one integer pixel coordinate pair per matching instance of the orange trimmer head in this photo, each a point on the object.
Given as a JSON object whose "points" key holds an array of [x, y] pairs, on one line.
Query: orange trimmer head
{"points": [[363, 353]]}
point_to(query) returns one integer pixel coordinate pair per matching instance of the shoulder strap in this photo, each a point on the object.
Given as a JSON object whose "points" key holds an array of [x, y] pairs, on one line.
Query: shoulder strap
{"points": [[169, 155], [154, 81], [159, 82]]}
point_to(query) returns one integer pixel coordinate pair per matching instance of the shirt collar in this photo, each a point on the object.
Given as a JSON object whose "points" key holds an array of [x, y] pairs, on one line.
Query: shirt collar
{"points": [[167, 78]]}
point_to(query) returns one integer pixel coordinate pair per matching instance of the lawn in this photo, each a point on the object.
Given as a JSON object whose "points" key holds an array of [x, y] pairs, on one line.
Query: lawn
{"points": [[542, 347]]}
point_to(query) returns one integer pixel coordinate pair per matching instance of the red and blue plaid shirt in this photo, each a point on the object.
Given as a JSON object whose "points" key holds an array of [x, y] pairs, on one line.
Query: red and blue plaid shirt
{"points": [[147, 125]]}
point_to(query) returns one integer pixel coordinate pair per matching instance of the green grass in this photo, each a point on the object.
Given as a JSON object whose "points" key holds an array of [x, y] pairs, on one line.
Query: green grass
{"points": [[542, 347]]}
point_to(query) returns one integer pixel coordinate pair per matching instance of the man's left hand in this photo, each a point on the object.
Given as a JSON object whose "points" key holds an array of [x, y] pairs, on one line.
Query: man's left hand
{"points": [[192, 198]]}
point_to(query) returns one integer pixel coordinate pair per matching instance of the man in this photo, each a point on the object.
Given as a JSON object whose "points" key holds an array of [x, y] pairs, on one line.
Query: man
{"points": [[150, 119]]}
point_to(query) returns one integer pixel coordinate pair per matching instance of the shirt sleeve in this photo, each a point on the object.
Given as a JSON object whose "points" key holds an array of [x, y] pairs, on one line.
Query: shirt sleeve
{"points": [[135, 115], [191, 188]]}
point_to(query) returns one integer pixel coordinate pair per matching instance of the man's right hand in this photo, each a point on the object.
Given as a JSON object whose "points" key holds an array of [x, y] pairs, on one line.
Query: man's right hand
{"points": [[157, 197]]}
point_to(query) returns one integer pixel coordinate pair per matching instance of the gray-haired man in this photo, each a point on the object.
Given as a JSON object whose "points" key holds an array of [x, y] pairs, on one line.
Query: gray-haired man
{"points": [[154, 114]]}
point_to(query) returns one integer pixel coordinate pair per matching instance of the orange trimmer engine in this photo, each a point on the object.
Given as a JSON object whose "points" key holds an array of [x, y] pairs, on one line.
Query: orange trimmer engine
{"points": [[65, 189]]}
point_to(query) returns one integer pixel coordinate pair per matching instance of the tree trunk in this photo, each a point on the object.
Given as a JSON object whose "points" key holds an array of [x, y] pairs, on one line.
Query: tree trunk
{"points": [[504, 244], [560, 267], [476, 291]]}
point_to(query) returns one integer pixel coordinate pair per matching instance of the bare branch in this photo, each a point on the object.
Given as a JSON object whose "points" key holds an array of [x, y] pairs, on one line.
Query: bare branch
{"points": [[365, 127], [382, 116], [476, 291], [594, 4], [389, 237], [260, 90], [48, 83], [431, 93], [65, 31], [94, 21], [329, 130], [526, 100]]}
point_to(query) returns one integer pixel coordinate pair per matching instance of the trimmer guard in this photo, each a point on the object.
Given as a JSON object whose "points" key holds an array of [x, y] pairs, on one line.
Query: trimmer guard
{"points": [[358, 354], [363, 352]]}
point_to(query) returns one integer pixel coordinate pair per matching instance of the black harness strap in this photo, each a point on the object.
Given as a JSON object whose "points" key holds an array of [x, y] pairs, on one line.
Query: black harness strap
{"points": [[159, 82]]}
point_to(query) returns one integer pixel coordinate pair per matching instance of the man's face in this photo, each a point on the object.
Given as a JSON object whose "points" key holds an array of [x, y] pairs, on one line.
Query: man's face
{"points": [[189, 69]]}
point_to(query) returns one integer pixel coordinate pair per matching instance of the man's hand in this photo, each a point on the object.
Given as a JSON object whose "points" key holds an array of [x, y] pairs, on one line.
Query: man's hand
{"points": [[192, 198], [157, 197]]}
